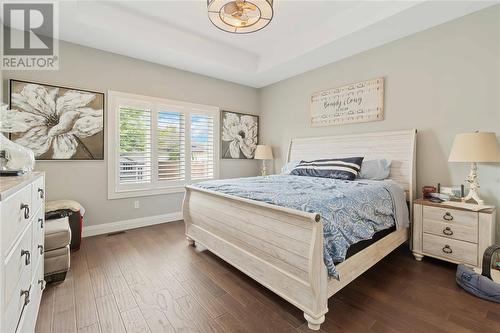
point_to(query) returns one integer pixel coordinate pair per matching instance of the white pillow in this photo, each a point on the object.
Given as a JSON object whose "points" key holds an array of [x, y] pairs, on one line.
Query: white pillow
{"points": [[375, 169], [287, 168]]}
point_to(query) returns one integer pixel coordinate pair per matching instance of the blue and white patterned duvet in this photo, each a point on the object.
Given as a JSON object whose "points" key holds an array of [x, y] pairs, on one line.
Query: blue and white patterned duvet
{"points": [[351, 210]]}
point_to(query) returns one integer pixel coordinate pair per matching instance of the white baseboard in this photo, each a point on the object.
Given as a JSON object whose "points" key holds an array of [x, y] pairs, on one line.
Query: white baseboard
{"points": [[93, 230]]}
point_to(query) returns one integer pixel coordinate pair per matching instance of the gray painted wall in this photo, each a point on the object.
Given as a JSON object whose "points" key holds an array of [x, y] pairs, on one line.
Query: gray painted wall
{"points": [[92, 69], [442, 81]]}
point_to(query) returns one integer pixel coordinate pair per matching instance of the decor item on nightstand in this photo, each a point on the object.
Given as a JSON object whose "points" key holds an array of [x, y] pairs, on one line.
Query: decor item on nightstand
{"points": [[57, 123], [239, 135], [263, 152], [478, 147], [452, 233]]}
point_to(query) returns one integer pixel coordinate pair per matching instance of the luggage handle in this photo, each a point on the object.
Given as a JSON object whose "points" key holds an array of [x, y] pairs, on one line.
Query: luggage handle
{"points": [[487, 260]]}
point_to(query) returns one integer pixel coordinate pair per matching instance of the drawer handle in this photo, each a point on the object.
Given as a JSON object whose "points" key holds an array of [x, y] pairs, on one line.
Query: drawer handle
{"points": [[447, 231], [41, 223], [42, 284], [40, 247], [26, 294], [41, 192], [27, 260], [448, 217], [26, 208], [447, 249]]}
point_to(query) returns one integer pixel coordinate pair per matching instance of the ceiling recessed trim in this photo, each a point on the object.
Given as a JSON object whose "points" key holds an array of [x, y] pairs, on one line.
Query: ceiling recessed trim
{"points": [[304, 35]]}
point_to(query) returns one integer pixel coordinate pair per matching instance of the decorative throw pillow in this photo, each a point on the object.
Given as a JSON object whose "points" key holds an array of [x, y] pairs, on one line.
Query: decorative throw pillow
{"points": [[375, 169], [338, 168]]}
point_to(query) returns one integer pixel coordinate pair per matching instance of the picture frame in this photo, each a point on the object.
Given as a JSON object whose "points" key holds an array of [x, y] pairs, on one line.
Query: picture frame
{"points": [[455, 192], [66, 124], [239, 135]]}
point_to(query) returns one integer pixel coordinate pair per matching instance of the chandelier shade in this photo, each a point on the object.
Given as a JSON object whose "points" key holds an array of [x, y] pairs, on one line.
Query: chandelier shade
{"points": [[240, 16]]}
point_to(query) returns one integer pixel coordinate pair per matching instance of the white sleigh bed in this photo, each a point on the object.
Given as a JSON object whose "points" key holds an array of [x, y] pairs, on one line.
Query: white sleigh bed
{"points": [[282, 248]]}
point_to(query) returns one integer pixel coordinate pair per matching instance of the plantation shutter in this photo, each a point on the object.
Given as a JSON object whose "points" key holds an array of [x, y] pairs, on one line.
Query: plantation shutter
{"points": [[135, 145], [171, 146], [202, 146]]}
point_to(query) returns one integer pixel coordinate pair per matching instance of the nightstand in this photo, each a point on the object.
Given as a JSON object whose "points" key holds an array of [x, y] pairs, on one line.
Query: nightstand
{"points": [[450, 233]]}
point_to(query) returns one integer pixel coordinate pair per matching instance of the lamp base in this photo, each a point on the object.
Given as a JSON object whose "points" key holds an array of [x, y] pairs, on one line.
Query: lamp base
{"points": [[263, 171], [474, 196], [472, 179]]}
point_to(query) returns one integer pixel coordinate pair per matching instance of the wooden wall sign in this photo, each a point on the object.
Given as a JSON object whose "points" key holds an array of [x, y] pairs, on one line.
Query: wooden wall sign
{"points": [[353, 103]]}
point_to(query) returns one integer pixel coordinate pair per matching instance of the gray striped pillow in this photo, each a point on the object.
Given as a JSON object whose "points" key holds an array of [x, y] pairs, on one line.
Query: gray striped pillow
{"points": [[338, 168]]}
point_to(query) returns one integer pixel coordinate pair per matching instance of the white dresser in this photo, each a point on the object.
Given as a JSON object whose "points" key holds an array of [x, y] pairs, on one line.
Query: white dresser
{"points": [[21, 243]]}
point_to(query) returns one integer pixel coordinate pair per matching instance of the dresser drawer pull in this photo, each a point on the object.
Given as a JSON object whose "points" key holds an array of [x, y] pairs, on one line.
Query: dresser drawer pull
{"points": [[27, 259], [40, 247], [41, 223], [447, 216], [447, 231], [26, 208], [26, 294], [447, 249], [42, 284], [41, 193]]}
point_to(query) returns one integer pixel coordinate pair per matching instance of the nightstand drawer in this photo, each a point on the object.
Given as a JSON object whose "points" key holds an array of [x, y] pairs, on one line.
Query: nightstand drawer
{"points": [[451, 230], [450, 249], [457, 217]]}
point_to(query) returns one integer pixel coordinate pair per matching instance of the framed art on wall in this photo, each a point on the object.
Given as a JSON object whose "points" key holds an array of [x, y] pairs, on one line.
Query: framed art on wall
{"points": [[57, 123], [353, 103], [239, 135]]}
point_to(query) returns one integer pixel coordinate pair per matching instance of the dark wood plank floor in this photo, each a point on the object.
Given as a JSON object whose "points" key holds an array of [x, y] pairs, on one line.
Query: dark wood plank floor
{"points": [[149, 280]]}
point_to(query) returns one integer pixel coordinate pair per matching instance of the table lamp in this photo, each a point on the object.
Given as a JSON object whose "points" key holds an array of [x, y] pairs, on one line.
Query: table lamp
{"points": [[263, 152], [479, 147]]}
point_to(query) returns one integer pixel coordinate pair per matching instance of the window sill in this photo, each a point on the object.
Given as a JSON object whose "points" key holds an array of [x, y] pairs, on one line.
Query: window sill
{"points": [[144, 193]]}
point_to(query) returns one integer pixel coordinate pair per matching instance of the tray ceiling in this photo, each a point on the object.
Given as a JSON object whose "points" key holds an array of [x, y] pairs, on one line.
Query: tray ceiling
{"points": [[302, 36]]}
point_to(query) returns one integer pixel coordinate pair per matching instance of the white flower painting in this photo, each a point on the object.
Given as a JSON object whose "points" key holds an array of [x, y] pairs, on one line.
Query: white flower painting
{"points": [[240, 134], [56, 123]]}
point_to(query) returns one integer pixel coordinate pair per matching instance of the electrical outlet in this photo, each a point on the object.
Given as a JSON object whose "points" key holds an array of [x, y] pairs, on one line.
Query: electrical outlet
{"points": [[136, 204]]}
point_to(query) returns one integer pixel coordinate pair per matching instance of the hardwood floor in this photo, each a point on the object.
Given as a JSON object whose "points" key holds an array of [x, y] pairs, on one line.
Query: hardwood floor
{"points": [[149, 280]]}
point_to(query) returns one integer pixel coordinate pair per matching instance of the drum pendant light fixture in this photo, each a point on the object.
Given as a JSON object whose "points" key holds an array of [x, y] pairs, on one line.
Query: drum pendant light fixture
{"points": [[240, 16]]}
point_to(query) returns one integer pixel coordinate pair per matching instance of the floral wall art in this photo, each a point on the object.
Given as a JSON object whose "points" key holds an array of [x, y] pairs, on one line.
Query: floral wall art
{"points": [[57, 123], [240, 133]]}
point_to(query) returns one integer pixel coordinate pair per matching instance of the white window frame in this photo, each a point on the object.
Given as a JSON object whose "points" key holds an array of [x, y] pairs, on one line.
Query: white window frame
{"points": [[155, 187]]}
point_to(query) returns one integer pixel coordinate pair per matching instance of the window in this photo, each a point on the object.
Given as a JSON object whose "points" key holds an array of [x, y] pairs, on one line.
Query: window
{"points": [[157, 146]]}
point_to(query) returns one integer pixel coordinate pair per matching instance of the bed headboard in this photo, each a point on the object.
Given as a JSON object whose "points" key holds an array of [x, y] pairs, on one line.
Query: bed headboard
{"points": [[397, 146]]}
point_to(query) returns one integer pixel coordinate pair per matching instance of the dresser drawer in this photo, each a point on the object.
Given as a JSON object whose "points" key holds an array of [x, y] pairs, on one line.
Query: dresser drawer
{"points": [[37, 193], [16, 212], [29, 315], [450, 249], [451, 230], [14, 309], [38, 248], [17, 264], [456, 217]]}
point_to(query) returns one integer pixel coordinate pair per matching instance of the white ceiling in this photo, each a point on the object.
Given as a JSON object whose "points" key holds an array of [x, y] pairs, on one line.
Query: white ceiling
{"points": [[302, 36]]}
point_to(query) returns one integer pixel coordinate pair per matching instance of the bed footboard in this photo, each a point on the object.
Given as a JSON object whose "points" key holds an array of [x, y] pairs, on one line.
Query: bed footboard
{"points": [[280, 248]]}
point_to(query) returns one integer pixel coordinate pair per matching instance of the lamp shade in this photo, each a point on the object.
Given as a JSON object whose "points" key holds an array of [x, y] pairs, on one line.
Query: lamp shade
{"points": [[263, 152], [475, 147]]}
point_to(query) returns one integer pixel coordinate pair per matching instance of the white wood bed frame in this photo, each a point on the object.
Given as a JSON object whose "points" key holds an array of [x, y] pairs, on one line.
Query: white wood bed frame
{"points": [[282, 248]]}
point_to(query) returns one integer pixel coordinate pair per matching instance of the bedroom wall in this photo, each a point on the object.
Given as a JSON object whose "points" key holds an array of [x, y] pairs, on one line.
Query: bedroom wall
{"points": [[441, 81], [96, 70]]}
